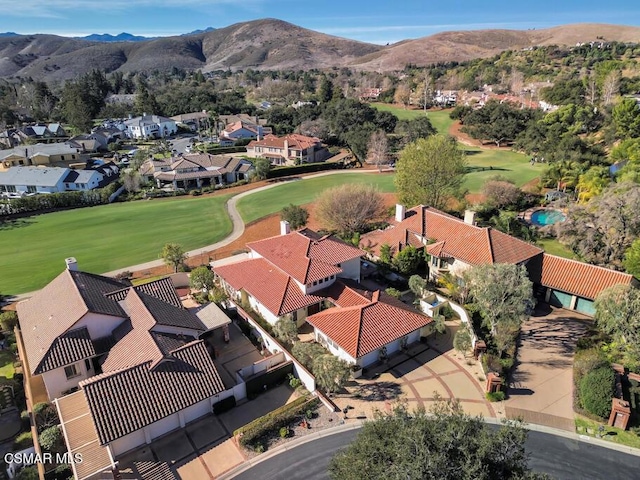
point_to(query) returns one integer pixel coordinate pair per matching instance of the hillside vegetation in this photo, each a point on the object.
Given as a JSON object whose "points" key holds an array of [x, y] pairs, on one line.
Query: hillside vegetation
{"points": [[276, 45]]}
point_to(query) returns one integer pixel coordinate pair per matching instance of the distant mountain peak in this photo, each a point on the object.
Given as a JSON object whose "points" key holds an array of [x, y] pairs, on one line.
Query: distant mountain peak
{"points": [[9, 34], [196, 32], [121, 37]]}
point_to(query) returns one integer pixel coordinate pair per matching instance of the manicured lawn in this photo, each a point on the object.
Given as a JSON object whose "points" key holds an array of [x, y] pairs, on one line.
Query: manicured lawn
{"points": [[300, 192], [439, 118], [610, 434], [554, 247], [486, 163], [6, 365], [105, 238]]}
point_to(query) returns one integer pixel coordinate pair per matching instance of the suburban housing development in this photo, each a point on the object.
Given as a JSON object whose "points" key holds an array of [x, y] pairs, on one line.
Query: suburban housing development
{"points": [[127, 364]]}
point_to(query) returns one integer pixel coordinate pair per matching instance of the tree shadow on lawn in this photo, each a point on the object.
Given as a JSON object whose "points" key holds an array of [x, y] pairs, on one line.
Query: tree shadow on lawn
{"points": [[12, 224], [475, 169], [472, 152]]}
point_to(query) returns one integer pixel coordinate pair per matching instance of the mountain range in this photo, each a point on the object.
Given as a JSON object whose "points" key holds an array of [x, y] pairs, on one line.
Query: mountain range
{"points": [[274, 44], [124, 36]]}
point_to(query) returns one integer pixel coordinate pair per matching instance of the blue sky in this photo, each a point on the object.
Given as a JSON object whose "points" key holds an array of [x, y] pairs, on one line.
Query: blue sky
{"points": [[377, 21]]}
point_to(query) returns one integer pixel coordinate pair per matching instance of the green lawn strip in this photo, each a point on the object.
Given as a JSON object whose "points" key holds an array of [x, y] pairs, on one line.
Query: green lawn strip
{"points": [[142, 281], [6, 365], [610, 434], [300, 192], [486, 163], [554, 247], [106, 238], [439, 118]]}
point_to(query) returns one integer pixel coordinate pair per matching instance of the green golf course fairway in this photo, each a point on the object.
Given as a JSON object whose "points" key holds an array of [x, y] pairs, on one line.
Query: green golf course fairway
{"points": [[105, 238], [439, 118], [300, 192]]}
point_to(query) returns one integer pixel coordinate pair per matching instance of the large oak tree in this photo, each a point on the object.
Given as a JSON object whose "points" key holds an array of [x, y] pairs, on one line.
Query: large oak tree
{"points": [[447, 445], [430, 171]]}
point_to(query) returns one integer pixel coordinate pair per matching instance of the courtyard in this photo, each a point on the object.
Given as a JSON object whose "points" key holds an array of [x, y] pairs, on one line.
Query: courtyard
{"points": [[419, 377]]}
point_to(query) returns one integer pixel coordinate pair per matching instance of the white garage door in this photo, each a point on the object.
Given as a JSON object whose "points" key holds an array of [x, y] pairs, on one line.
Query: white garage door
{"points": [[196, 411], [163, 426], [128, 442]]}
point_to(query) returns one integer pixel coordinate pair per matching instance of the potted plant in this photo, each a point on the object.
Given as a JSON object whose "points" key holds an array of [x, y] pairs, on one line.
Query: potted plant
{"points": [[356, 371]]}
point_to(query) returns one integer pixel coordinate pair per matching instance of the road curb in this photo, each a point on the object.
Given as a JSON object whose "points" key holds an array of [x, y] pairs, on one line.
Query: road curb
{"points": [[288, 446]]}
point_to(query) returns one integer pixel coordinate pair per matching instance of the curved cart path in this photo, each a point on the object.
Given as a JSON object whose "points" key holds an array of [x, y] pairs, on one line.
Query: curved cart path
{"points": [[236, 219]]}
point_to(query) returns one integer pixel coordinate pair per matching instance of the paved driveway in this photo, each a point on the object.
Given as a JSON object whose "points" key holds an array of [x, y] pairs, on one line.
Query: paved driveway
{"points": [[203, 449], [541, 390], [418, 378]]}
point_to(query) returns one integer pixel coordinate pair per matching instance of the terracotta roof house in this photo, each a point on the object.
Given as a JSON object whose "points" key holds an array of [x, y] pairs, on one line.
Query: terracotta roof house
{"points": [[282, 273], [242, 129], [288, 150], [123, 364], [454, 245], [365, 326], [196, 170], [314, 278]]}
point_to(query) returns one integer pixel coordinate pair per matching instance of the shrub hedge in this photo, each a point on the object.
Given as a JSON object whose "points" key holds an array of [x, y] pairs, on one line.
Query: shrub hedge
{"points": [[22, 441], [495, 396], [305, 168], [596, 391], [274, 420]]}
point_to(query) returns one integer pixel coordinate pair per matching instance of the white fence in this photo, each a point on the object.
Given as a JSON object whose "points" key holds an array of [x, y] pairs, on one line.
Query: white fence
{"points": [[271, 344]]}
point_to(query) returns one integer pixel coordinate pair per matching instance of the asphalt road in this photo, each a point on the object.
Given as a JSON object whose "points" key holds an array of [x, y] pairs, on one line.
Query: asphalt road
{"points": [[562, 458]]}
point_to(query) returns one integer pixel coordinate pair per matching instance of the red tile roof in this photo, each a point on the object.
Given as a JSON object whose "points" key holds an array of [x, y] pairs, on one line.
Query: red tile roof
{"points": [[295, 142], [366, 327], [455, 238], [306, 256], [274, 289], [579, 278]]}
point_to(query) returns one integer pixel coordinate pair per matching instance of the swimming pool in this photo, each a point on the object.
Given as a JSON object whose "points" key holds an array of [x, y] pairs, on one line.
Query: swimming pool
{"points": [[544, 217]]}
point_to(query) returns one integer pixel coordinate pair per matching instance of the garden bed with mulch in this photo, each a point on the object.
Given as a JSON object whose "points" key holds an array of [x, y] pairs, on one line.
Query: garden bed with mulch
{"points": [[322, 419]]}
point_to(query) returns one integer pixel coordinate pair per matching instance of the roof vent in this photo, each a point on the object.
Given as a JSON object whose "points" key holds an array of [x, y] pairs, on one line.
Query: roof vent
{"points": [[72, 263]]}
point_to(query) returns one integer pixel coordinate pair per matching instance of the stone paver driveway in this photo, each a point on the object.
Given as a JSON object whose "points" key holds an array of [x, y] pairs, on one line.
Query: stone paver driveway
{"points": [[541, 390], [418, 380]]}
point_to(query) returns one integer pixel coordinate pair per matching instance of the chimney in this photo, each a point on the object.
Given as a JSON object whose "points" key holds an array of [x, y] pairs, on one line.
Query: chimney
{"points": [[470, 217], [259, 133], [400, 212], [284, 227], [72, 264]]}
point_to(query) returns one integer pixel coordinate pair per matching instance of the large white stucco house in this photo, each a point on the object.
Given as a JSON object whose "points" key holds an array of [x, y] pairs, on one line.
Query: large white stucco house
{"points": [[315, 278], [151, 126], [124, 365]]}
